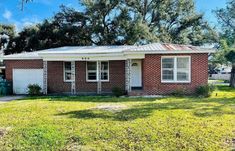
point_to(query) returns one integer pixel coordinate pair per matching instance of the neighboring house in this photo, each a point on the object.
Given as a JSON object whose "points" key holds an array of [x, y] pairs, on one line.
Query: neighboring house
{"points": [[223, 73], [140, 70]]}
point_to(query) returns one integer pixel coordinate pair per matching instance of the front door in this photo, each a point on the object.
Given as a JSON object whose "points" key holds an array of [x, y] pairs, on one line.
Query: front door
{"points": [[136, 73]]}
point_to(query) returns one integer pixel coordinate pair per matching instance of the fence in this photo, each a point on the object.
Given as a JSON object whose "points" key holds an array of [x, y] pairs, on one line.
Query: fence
{"points": [[220, 76]]}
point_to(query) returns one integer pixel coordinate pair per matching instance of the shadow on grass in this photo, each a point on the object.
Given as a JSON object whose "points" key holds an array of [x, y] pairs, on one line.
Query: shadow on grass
{"points": [[225, 88], [199, 108]]}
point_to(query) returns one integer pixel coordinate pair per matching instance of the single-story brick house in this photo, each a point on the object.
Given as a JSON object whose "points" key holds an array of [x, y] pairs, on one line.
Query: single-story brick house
{"points": [[150, 69]]}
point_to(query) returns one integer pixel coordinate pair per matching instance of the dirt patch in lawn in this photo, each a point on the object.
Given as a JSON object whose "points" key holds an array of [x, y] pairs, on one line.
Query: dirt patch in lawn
{"points": [[4, 131], [110, 107], [77, 146]]}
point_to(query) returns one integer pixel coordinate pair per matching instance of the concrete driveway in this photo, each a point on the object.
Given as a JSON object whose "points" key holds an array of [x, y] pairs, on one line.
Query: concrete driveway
{"points": [[6, 99]]}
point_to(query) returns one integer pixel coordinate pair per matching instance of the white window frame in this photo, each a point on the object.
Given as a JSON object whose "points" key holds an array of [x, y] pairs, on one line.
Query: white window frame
{"points": [[87, 80], [175, 70], [64, 70]]}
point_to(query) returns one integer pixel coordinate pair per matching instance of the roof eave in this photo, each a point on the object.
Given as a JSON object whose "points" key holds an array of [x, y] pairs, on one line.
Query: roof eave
{"points": [[168, 52]]}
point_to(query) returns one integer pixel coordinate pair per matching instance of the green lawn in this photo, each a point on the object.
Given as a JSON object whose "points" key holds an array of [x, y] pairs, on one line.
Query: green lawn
{"points": [[106, 123]]}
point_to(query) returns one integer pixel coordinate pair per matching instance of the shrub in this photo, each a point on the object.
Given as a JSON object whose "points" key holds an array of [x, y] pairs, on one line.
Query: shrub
{"points": [[205, 90], [178, 92], [117, 91], [34, 89]]}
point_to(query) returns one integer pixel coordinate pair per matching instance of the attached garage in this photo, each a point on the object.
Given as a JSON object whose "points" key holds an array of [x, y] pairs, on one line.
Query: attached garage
{"points": [[23, 77]]}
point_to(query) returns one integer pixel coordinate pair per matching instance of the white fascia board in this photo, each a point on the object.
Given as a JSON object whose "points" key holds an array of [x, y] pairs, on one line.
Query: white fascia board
{"points": [[135, 56], [82, 59], [78, 54], [91, 57]]}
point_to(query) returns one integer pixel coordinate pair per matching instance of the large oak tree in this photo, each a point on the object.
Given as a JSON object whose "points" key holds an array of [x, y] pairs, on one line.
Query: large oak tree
{"points": [[118, 22]]}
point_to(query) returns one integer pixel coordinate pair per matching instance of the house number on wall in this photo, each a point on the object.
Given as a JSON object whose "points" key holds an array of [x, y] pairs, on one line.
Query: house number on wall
{"points": [[85, 58]]}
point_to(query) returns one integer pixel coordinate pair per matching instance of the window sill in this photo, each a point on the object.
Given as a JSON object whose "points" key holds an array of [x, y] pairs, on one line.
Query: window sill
{"points": [[96, 81], [176, 82], [68, 81]]}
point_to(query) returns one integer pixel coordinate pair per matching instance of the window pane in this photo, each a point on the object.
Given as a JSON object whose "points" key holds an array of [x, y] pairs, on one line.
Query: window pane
{"points": [[92, 76], [183, 63], [168, 75], [68, 76], [91, 65], [67, 66], [104, 65], [182, 69], [182, 76], [104, 75], [168, 63]]}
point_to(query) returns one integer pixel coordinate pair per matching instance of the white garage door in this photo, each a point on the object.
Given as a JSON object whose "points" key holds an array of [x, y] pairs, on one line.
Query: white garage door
{"points": [[23, 77]]}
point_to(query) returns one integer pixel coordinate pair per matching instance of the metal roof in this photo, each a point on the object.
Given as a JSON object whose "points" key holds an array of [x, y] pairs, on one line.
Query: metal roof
{"points": [[99, 50], [168, 47]]}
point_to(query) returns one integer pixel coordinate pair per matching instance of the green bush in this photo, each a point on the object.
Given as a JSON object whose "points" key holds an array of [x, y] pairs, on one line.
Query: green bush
{"points": [[178, 92], [117, 91], [205, 90], [34, 89]]}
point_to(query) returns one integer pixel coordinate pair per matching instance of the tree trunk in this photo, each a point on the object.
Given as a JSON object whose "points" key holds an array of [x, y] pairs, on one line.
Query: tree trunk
{"points": [[232, 79]]}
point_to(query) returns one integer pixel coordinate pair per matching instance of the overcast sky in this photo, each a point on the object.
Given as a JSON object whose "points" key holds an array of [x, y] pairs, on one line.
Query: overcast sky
{"points": [[40, 9]]}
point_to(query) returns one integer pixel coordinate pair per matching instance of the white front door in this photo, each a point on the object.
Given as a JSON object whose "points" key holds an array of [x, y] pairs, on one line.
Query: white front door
{"points": [[23, 77], [136, 73]]}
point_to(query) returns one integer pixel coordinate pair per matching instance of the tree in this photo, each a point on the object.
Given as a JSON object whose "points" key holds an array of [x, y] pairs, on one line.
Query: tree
{"points": [[23, 2], [7, 32], [174, 21], [66, 28], [226, 17], [230, 56], [111, 23], [118, 22]]}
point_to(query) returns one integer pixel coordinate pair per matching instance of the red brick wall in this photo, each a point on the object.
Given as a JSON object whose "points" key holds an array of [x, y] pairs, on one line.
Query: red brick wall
{"points": [[81, 84], [55, 78], [116, 76], [21, 64], [152, 74]]}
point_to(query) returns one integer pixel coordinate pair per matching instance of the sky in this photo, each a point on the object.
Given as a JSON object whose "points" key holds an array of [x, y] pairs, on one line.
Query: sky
{"points": [[38, 10]]}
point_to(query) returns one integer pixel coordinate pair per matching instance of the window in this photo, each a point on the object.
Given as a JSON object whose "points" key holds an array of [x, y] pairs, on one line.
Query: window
{"points": [[92, 71], [68, 72], [104, 71], [176, 69]]}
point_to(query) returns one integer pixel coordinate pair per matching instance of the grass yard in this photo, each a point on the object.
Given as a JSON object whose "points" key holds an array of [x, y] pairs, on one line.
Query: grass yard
{"points": [[106, 123]]}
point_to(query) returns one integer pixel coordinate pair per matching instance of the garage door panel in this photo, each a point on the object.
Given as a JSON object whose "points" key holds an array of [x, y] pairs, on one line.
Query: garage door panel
{"points": [[23, 77]]}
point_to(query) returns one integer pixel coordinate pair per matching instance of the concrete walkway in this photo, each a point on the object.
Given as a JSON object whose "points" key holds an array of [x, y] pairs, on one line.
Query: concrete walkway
{"points": [[6, 99]]}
